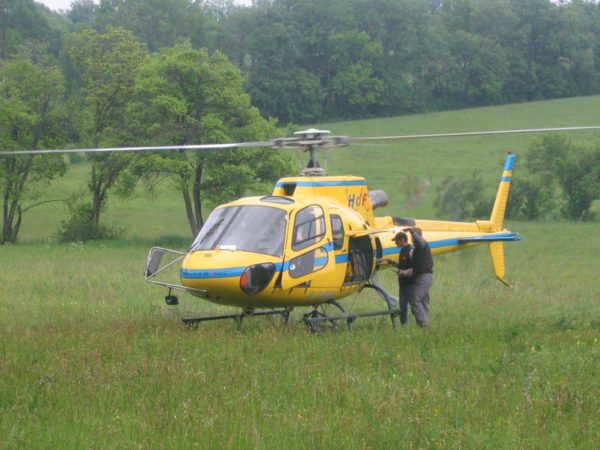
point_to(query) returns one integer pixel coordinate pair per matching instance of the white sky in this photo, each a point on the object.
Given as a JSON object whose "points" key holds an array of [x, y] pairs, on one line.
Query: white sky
{"points": [[56, 4]]}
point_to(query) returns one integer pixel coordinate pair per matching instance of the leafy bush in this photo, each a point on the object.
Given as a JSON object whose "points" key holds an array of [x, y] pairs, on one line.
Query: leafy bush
{"points": [[531, 199], [573, 168], [80, 227], [459, 198]]}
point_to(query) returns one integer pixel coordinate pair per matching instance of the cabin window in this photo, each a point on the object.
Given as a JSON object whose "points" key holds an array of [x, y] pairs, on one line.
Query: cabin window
{"points": [[337, 229], [277, 199], [309, 227], [309, 262], [258, 229]]}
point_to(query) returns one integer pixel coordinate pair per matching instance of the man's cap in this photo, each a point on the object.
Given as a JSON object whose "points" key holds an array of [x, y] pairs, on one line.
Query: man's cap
{"points": [[400, 235]]}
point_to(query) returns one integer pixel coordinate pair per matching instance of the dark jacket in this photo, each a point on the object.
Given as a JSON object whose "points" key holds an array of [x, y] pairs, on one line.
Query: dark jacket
{"points": [[422, 258], [404, 263]]}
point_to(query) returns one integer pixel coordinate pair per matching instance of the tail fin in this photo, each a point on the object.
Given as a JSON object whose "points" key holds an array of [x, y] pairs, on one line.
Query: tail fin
{"points": [[497, 217], [497, 254]]}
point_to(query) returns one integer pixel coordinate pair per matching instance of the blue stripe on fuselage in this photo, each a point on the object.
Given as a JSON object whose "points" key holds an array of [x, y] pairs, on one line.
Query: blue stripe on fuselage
{"points": [[212, 273], [339, 259], [322, 183]]}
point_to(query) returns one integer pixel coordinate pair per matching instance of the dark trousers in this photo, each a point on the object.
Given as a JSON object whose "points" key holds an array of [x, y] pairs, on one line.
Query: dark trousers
{"points": [[406, 295], [420, 303]]}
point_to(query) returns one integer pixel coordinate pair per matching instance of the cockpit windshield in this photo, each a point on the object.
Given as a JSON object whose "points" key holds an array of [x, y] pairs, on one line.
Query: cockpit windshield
{"points": [[259, 229]]}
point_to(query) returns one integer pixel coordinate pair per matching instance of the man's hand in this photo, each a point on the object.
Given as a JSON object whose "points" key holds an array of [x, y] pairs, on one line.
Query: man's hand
{"points": [[413, 230]]}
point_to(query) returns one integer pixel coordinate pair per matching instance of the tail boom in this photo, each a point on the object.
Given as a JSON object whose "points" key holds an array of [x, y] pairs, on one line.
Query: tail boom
{"points": [[445, 236]]}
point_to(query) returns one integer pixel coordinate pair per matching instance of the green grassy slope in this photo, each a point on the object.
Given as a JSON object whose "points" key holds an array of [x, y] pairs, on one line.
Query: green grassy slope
{"points": [[384, 165], [90, 357]]}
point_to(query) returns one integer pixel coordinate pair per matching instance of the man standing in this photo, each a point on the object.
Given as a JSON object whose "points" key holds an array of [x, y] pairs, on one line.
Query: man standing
{"points": [[422, 264], [406, 279]]}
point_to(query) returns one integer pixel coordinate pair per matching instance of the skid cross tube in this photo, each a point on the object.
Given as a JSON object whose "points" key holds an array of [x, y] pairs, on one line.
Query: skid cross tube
{"points": [[285, 313], [314, 318]]}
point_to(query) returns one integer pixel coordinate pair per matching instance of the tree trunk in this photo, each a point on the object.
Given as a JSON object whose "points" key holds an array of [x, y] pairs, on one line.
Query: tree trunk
{"points": [[99, 187], [198, 195], [11, 200], [190, 212], [193, 199], [6, 222]]}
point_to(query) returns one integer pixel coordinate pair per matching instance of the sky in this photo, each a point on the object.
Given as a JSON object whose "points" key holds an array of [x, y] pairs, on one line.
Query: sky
{"points": [[56, 4]]}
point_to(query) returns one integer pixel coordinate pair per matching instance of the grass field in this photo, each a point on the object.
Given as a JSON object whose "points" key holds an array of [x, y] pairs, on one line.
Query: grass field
{"points": [[90, 357]]}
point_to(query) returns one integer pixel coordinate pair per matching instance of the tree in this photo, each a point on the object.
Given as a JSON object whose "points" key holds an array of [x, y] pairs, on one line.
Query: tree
{"points": [[478, 70], [83, 12], [573, 167], [265, 45], [20, 20], [188, 96], [531, 199], [105, 65], [459, 198], [157, 23], [353, 87], [31, 115]]}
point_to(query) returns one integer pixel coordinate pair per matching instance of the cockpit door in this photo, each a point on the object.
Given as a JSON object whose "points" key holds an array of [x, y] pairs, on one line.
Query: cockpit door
{"points": [[309, 258]]}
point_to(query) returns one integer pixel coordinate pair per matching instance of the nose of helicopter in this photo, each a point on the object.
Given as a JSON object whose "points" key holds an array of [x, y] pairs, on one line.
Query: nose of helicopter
{"points": [[229, 277]]}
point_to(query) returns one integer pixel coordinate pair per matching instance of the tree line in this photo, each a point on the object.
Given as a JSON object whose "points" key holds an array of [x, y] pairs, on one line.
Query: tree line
{"points": [[188, 71], [308, 60]]}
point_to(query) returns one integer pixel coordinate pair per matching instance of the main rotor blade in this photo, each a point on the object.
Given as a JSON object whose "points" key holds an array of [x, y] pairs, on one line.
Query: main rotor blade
{"points": [[468, 133], [143, 149], [284, 143]]}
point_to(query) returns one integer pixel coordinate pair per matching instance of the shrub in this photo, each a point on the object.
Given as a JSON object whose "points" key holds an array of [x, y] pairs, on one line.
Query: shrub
{"points": [[460, 199], [80, 227]]}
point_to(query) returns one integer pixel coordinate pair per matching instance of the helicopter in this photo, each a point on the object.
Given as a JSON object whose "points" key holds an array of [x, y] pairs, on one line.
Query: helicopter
{"points": [[314, 240]]}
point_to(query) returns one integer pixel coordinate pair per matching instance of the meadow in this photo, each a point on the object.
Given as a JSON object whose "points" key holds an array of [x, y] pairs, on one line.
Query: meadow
{"points": [[91, 357]]}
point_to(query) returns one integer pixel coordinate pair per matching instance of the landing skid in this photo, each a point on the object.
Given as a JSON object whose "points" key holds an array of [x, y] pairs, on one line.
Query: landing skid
{"points": [[313, 319], [172, 300]]}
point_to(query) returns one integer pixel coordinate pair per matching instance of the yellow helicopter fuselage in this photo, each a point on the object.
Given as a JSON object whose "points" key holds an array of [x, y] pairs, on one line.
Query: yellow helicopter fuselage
{"points": [[314, 240]]}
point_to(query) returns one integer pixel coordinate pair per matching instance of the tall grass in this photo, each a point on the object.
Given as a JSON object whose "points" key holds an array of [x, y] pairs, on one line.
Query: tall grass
{"points": [[91, 358]]}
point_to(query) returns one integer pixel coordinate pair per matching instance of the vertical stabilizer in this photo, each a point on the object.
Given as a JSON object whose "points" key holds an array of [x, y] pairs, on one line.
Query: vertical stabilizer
{"points": [[497, 254], [499, 210]]}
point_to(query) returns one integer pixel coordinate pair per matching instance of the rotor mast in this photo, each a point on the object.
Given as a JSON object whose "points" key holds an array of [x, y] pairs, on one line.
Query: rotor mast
{"points": [[312, 140]]}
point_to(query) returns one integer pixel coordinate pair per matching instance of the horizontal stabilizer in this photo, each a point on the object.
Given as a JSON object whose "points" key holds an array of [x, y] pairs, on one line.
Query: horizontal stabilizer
{"points": [[492, 238]]}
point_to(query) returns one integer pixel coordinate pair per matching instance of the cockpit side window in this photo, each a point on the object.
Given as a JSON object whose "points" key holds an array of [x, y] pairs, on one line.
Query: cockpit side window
{"points": [[309, 227], [337, 228]]}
